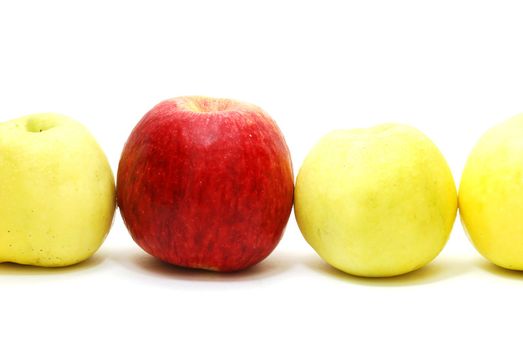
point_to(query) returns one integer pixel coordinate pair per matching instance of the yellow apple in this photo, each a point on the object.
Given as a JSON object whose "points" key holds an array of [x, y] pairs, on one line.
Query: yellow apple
{"points": [[491, 194], [57, 195], [376, 202]]}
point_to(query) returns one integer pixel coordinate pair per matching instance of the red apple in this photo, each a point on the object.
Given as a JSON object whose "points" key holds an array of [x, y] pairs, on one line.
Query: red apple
{"points": [[206, 183]]}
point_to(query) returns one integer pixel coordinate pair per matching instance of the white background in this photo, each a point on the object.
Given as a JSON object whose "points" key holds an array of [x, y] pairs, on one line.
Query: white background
{"points": [[451, 68]]}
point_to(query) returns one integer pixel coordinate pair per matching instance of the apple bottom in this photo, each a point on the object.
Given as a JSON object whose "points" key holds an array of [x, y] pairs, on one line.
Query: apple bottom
{"points": [[212, 240]]}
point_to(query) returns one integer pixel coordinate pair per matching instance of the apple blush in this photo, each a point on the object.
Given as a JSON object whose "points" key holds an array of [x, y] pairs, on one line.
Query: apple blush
{"points": [[206, 183]]}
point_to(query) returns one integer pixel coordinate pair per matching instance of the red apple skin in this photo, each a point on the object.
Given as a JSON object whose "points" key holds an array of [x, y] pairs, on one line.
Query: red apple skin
{"points": [[206, 183]]}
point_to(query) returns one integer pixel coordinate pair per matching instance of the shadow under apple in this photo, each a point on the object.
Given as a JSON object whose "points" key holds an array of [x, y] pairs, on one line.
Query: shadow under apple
{"points": [[440, 269], [142, 262], [498, 271]]}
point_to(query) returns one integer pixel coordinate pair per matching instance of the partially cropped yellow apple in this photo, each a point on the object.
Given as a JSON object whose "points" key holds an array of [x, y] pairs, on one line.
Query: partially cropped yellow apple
{"points": [[491, 194], [376, 202], [57, 195]]}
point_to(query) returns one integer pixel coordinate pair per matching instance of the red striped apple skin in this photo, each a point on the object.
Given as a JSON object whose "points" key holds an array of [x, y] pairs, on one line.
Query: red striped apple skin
{"points": [[206, 183]]}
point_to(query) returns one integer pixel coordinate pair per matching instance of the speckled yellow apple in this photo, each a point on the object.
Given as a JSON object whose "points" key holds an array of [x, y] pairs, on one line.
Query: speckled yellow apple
{"points": [[491, 194], [376, 202], [57, 195]]}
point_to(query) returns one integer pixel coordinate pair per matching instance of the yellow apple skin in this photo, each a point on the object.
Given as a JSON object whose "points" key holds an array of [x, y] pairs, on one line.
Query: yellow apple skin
{"points": [[57, 195], [376, 202], [491, 194]]}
